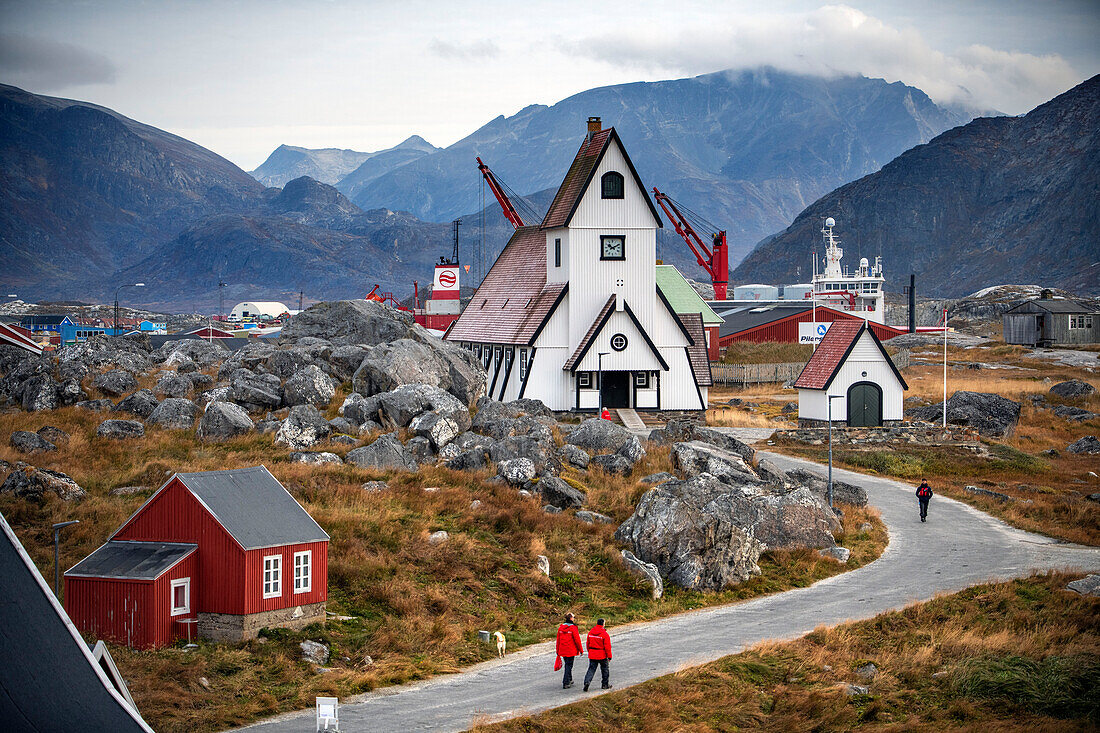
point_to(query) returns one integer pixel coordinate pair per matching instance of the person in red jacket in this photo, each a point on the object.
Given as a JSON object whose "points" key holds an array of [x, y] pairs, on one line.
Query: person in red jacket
{"points": [[599, 654], [569, 646]]}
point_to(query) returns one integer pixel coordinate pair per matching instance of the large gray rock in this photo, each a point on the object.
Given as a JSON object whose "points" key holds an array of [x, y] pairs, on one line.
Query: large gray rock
{"points": [[698, 457], [401, 405], [517, 471], [116, 382], [40, 393], [54, 434], [575, 456], [255, 392], [632, 450], [359, 409], [420, 448], [706, 534], [309, 386], [647, 571], [991, 414], [685, 430], [202, 353], [223, 420], [103, 405], [385, 452], [174, 384], [522, 447], [439, 430], [175, 413], [843, 492], [1072, 388], [349, 322], [1072, 412], [344, 360], [1088, 444], [140, 403], [70, 392], [1086, 586], [25, 441], [614, 464], [596, 434], [560, 494], [315, 459], [125, 352], [304, 427], [491, 412], [120, 429], [252, 356], [408, 361], [285, 363], [28, 482]]}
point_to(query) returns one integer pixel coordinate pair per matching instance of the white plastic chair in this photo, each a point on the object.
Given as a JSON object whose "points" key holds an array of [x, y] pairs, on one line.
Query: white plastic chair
{"points": [[328, 710]]}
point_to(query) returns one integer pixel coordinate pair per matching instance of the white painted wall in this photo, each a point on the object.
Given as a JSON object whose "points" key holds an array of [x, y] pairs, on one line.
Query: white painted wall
{"points": [[865, 357]]}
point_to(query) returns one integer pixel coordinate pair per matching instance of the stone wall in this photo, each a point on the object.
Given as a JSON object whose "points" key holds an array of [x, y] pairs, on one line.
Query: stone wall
{"points": [[903, 433], [227, 627]]}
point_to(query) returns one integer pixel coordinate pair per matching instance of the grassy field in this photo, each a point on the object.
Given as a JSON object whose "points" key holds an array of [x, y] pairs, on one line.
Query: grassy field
{"points": [[1018, 656], [415, 607]]}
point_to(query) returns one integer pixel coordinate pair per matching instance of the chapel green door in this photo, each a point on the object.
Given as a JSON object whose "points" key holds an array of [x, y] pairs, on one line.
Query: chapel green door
{"points": [[864, 405]]}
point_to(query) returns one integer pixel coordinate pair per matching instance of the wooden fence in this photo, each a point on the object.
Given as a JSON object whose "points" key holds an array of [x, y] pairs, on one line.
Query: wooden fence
{"points": [[741, 374]]}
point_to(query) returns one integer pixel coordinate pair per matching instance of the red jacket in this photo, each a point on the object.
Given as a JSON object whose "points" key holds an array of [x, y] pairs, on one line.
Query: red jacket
{"points": [[569, 641], [599, 643]]}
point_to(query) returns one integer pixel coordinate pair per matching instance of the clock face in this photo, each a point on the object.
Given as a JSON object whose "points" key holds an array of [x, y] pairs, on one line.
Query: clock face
{"points": [[612, 248]]}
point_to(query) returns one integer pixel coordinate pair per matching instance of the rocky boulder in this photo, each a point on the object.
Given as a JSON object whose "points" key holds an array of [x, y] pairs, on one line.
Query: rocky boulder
{"points": [[104, 405], [344, 360], [28, 482], [843, 492], [25, 441], [70, 392], [614, 464], [797, 519], [684, 430], [140, 403], [436, 428], [285, 363], [120, 429], [304, 427], [1087, 445], [315, 459], [407, 361], [360, 410], [39, 393], [596, 434], [251, 356], [574, 456], [125, 352], [175, 413], [223, 420], [401, 405], [1073, 388], [560, 494], [203, 353], [116, 382], [696, 457], [309, 386], [349, 322], [517, 471], [255, 392], [55, 435], [991, 414], [646, 571], [385, 452], [491, 412], [174, 384]]}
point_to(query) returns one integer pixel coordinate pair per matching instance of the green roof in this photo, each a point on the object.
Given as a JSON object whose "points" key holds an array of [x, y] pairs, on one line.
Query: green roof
{"points": [[682, 297]]}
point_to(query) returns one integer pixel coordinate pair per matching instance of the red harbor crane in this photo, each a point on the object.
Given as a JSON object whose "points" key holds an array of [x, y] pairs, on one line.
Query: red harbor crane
{"points": [[497, 188], [713, 259]]}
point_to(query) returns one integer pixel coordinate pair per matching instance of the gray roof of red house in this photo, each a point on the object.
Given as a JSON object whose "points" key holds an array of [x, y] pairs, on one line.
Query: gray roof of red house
{"points": [[697, 352], [580, 174], [131, 560], [834, 348], [514, 299], [597, 325]]}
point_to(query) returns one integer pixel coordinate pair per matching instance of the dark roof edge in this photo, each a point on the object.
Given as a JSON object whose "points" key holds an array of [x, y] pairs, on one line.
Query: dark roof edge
{"points": [[549, 314], [193, 548]]}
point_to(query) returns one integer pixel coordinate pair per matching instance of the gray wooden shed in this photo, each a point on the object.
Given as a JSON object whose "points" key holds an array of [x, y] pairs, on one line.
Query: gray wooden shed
{"points": [[1050, 321]]}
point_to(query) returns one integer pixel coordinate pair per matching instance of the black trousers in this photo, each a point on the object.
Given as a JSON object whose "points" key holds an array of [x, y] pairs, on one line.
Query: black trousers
{"points": [[567, 665], [605, 671], [923, 507]]}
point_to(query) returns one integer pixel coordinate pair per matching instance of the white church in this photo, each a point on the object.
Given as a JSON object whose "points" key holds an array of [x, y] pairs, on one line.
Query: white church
{"points": [[571, 311]]}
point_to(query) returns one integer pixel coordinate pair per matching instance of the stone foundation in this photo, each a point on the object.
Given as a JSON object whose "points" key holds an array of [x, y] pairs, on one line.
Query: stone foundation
{"points": [[228, 627], [898, 434], [809, 422]]}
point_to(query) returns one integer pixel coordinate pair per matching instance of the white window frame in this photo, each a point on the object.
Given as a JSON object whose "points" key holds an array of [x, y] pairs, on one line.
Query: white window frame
{"points": [[276, 581], [308, 574], [584, 380], [185, 609], [641, 380], [523, 364]]}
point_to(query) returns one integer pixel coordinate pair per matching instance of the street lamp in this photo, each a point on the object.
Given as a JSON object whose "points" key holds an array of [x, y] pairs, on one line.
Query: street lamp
{"points": [[829, 490], [56, 541], [599, 378], [120, 287]]}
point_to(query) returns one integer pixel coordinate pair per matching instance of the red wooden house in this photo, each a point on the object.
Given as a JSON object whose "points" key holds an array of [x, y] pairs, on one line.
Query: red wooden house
{"points": [[227, 552]]}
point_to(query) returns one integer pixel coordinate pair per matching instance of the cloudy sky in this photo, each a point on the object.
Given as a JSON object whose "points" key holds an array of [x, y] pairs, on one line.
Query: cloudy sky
{"points": [[242, 77]]}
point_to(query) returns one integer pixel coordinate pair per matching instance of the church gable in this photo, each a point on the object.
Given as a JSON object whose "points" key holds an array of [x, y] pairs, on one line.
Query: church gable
{"points": [[614, 196]]}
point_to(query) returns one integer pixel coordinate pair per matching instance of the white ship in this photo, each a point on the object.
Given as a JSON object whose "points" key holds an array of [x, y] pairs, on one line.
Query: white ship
{"points": [[859, 293]]}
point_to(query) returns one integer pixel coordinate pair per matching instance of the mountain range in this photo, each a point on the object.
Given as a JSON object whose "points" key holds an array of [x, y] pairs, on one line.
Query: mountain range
{"points": [[1003, 199], [332, 165], [745, 150]]}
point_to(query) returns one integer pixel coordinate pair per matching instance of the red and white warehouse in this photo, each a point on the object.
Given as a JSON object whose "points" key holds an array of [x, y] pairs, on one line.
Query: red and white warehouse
{"points": [[223, 552], [778, 322]]}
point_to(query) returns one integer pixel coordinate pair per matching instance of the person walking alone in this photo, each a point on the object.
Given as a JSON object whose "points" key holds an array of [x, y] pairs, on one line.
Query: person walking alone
{"points": [[924, 493], [569, 646], [599, 654]]}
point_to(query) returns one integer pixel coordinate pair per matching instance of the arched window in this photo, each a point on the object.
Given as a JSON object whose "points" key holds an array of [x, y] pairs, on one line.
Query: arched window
{"points": [[612, 185]]}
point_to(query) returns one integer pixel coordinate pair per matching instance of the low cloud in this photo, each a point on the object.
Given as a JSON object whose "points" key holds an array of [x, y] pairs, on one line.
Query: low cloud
{"points": [[41, 64], [837, 40], [483, 49]]}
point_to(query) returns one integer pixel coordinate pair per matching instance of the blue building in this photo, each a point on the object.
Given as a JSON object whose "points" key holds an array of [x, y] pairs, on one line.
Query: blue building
{"points": [[74, 332], [47, 323]]}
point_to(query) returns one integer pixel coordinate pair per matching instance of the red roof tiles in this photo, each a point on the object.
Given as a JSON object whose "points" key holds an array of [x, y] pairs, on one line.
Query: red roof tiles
{"points": [[697, 352], [576, 179], [514, 298], [829, 355]]}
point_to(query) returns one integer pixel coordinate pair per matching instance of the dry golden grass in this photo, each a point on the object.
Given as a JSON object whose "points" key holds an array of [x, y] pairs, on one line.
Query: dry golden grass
{"points": [[417, 606], [1017, 656]]}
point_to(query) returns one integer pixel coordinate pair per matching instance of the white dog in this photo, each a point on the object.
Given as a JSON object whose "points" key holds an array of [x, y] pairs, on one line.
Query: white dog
{"points": [[502, 643]]}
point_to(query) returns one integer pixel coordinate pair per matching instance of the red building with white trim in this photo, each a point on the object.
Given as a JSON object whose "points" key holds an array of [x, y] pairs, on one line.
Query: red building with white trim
{"points": [[223, 552]]}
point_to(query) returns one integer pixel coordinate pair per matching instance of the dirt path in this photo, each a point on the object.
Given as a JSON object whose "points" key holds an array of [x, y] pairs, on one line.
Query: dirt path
{"points": [[958, 547]]}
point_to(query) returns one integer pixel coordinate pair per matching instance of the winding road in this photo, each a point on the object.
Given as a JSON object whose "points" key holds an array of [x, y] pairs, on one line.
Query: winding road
{"points": [[958, 547]]}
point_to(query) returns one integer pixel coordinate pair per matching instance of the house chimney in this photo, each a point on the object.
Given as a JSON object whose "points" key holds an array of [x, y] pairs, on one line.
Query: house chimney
{"points": [[594, 125]]}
